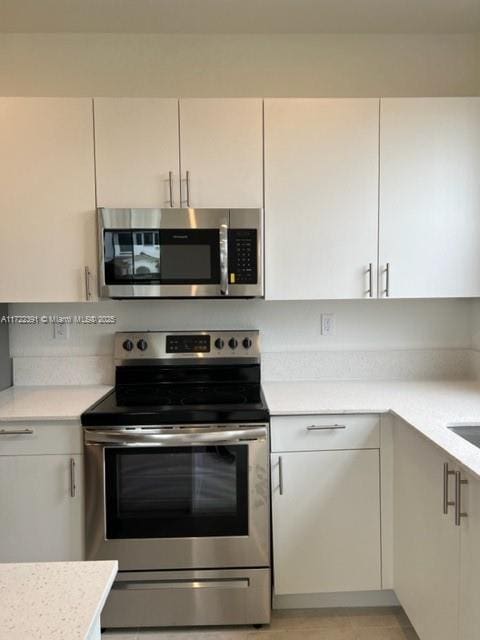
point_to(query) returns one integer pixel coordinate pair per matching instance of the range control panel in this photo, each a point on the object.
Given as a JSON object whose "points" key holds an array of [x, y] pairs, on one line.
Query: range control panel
{"points": [[188, 344], [151, 345]]}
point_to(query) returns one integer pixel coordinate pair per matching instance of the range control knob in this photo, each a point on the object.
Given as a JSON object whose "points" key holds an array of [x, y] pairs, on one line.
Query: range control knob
{"points": [[219, 343], [247, 343], [142, 344], [233, 343], [128, 345]]}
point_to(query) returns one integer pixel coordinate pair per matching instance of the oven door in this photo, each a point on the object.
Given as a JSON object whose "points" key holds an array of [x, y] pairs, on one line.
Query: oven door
{"points": [[178, 498], [163, 252]]}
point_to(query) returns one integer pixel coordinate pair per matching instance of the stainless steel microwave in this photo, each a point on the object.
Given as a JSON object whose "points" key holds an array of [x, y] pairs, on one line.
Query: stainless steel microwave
{"points": [[180, 253]]}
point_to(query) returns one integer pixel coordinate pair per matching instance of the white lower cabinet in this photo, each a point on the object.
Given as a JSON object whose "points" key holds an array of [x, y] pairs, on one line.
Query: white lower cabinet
{"points": [[437, 562], [41, 498], [41, 518], [426, 541], [332, 516], [469, 618], [326, 520]]}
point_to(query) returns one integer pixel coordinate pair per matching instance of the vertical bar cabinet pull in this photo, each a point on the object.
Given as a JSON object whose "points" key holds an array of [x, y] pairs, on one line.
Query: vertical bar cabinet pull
{"points": [[446, 475], [459, 514], [280, 475], [73, 486]]}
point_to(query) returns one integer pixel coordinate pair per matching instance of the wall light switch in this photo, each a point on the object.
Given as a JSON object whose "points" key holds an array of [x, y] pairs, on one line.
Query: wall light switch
{"points": [[328, 324]]}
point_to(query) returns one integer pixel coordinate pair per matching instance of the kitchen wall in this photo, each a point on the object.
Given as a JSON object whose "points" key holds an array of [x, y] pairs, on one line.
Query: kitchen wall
{"points": [[5, 361], [239, 65], [475, 322], [286, 326], [373, 339]]}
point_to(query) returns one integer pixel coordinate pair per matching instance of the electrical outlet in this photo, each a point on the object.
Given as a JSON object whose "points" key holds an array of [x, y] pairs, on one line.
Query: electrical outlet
{"points": [[61, 331], [328, 324]]}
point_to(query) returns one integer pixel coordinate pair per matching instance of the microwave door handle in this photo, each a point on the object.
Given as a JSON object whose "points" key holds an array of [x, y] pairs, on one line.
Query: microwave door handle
{"points": [[224, 259]]}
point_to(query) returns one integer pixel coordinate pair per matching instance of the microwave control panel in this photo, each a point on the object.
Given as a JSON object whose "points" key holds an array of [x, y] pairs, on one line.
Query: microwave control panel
{"points": [[242, 256]]}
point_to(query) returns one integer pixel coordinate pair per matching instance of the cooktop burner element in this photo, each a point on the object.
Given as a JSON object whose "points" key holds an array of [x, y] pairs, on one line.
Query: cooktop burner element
{"points": [[183, 377], [204, 395]]}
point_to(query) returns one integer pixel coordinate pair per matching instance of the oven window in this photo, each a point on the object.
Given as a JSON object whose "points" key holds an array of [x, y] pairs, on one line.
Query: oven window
{"points": [[171, 492], [162, 256]]}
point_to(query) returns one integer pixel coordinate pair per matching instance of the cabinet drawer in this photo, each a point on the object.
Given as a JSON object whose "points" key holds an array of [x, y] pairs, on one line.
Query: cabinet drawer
{"points": [[37, 438], [325, 432]]}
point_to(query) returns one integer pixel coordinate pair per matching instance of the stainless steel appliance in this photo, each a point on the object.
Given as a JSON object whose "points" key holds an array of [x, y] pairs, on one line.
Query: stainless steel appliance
{"points": [[177, 481], [180, 253]]}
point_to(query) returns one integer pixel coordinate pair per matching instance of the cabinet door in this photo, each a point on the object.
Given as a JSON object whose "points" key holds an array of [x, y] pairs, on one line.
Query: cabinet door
{"points": [[470, 560], [41, 521], [429, 197], [321, 198], [136, 145], [221, 148], [426, 542], [47, 199], [326, 521]]}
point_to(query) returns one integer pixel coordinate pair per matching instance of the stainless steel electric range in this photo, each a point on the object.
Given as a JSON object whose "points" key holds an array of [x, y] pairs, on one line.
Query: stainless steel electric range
{"points": [[177, 481]]}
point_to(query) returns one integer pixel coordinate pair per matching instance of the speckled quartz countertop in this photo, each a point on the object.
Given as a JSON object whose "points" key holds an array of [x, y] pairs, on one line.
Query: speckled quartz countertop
{"points": [[428, 406], [53, 600], [48, 403]]}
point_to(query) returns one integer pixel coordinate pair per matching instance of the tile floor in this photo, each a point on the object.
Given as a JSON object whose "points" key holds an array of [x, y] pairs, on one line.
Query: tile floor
{"points": [[389, 623]]}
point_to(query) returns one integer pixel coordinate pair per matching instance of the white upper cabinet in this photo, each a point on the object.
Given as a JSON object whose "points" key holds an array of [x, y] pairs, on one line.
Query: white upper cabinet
{"points": [[221, 152], [321, 198], [430, 197], [137, 159], [47, 200]]}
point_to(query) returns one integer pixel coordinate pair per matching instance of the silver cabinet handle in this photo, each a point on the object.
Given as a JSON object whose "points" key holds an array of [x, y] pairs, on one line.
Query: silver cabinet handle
{"points": [[280, 475], [224, 258], [73, 486], [387, 280], [187, 189], [187, 179], [170, 185], [446, 475], [326, 427], [370, 280], [459, 514], [88, 293], [16, 432]]}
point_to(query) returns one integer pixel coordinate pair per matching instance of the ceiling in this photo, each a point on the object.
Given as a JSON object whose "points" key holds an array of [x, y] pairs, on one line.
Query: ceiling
{"points": [[240, 16]]}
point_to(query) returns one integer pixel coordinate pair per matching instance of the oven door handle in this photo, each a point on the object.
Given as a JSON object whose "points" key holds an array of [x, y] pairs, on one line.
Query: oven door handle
{"points": [[122, 438]]}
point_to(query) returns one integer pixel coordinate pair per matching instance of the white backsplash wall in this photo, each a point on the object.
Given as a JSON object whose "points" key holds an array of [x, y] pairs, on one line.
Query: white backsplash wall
{"points": [[476, 338], [373, 339], [476, 324]]}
